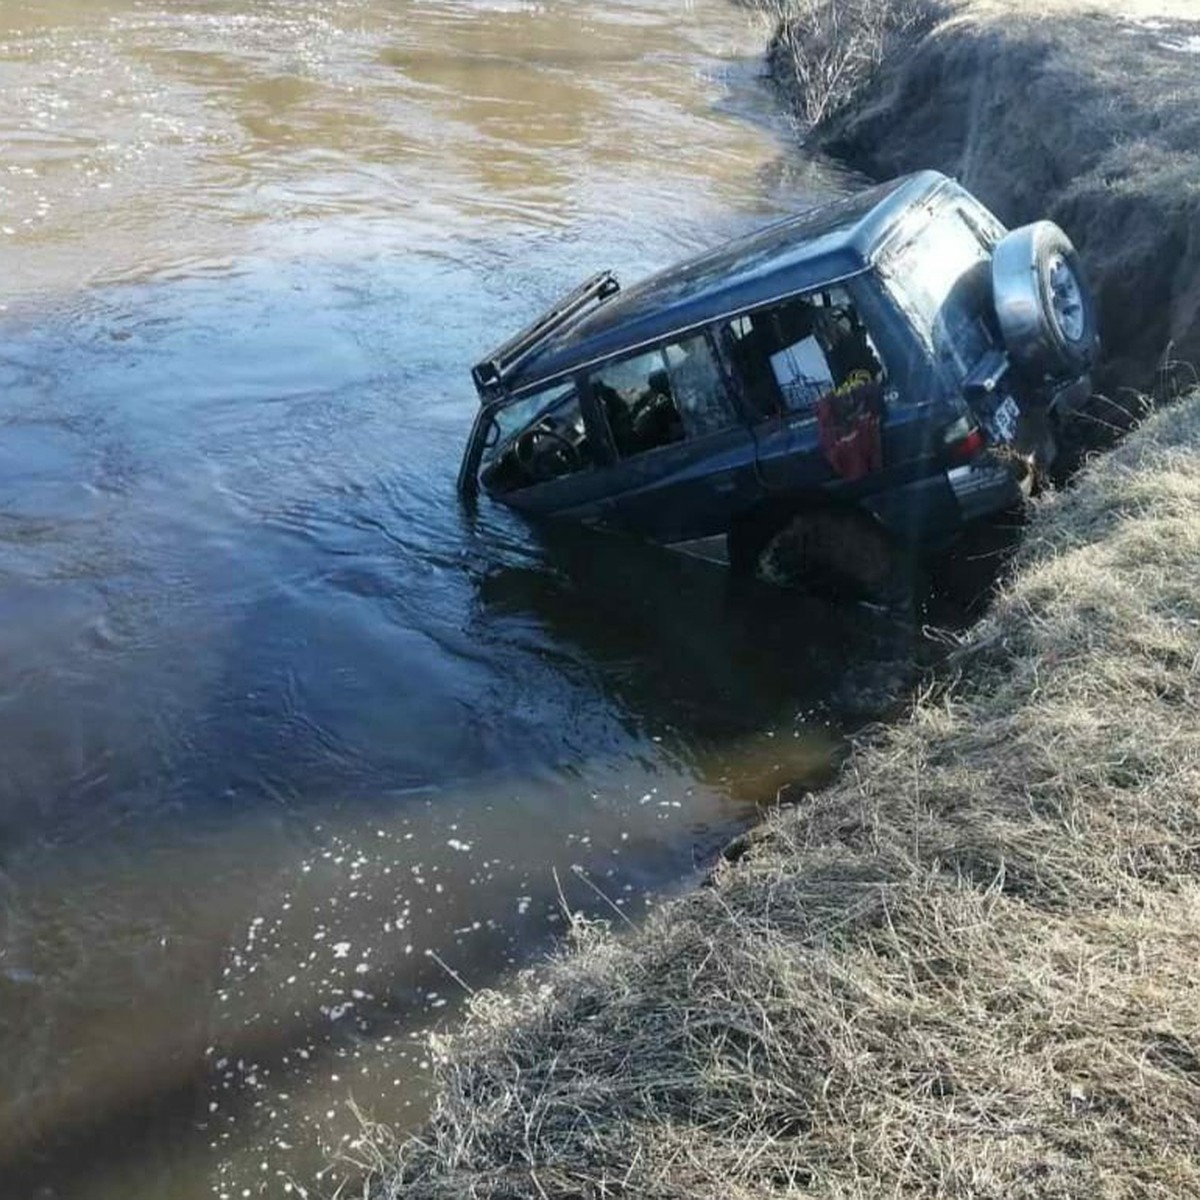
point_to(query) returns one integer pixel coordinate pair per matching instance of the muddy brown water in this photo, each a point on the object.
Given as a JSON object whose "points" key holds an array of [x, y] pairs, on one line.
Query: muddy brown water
{"points": [[294, 749]]}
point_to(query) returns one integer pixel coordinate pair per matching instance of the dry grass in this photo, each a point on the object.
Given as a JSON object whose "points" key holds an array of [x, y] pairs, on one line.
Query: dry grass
{"points": [[1141, 9], [970, 968]]}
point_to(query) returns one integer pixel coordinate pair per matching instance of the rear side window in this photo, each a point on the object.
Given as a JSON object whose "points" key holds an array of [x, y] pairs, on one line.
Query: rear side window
{"points": [[663, 396], [790, 355]]}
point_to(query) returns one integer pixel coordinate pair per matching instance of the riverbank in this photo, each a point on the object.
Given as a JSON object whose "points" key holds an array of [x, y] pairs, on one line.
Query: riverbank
{"points": [[969, 966]]}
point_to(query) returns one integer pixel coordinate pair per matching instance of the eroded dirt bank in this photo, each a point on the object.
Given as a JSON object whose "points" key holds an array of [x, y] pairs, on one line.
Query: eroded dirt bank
{"points": [[969, 967], [1069, 110]]}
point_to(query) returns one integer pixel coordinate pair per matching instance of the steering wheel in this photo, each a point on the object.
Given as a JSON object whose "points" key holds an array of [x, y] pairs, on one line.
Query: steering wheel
{"points": [[645, 406], [535, 463]]}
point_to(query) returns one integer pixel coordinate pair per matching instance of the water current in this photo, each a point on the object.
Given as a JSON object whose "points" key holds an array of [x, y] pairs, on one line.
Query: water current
{"points": [[295, 751]]}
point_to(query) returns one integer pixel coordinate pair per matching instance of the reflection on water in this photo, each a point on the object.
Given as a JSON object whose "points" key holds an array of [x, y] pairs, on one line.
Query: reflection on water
{"points": [[296, 751]]}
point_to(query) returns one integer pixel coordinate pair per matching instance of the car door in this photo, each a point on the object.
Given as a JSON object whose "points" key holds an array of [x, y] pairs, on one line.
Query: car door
{"points": [[788, 357], [545, 455], [683, 458], [918, 410]]}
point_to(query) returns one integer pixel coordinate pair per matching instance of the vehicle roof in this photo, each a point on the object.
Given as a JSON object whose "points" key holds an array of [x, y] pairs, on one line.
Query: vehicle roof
{"points": [[832, 241]]}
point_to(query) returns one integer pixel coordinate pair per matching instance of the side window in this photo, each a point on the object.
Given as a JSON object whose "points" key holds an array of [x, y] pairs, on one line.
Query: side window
{"points": [[663, 396], [791, 355], [537, 439], [638, 403], [699, 387]]}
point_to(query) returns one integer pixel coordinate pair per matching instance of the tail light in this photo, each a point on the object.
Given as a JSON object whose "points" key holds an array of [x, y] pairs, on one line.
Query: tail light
{"points": [[963, 440]]}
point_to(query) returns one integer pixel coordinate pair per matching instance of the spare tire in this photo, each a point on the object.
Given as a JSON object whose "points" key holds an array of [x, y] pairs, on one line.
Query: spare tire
{"points": [[1046, 312]]}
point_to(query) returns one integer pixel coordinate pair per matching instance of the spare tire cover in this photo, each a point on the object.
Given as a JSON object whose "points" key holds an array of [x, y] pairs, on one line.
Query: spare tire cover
{"points": [[1046, 312]]}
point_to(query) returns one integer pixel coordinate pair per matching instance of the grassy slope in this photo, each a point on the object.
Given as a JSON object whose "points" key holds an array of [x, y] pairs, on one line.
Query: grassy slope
{"points": [[967, 969]]}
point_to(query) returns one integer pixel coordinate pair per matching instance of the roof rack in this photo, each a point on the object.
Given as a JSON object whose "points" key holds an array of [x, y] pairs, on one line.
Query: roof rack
{"points": [[489, 375]]}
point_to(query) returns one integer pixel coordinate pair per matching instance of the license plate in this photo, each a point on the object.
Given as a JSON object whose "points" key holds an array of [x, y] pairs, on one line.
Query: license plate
{"points": [[1002, 425]]}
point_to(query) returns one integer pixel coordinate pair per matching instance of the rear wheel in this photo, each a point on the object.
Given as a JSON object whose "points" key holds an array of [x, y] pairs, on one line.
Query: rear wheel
{"points": [[841, 554]]}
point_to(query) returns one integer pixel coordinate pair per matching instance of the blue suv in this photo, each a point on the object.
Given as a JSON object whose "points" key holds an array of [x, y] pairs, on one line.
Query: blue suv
{"points": [[810, 403]]}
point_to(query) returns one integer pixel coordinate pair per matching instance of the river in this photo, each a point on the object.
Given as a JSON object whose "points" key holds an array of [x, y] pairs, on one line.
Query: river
{"points": [[296, 752]]}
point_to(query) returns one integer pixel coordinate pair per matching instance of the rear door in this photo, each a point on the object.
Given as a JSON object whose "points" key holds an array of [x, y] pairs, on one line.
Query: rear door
{"points": [[790, 356]]}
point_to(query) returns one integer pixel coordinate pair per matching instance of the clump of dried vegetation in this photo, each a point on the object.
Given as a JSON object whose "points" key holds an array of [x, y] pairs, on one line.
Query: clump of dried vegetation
{"points": [[825, 52], [970, 968]]}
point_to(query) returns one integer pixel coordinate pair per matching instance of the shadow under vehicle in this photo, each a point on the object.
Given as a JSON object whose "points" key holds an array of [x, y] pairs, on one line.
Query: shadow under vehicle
{"points": [[813, 403]]}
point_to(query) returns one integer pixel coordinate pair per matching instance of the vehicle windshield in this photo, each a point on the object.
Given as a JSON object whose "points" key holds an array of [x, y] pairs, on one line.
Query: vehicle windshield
{"points": [[942, 277]]}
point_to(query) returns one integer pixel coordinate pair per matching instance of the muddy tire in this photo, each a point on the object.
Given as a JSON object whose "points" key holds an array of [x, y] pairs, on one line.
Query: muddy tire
{"points": [[1043, 304], [842, 555]]}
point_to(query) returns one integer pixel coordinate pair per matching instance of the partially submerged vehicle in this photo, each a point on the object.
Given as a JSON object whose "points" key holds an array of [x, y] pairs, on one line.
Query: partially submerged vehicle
{"points": [[810, 402]]}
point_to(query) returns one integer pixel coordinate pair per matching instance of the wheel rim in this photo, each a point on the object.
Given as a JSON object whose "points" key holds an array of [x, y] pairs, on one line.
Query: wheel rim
{"points": [[1066, 298]]}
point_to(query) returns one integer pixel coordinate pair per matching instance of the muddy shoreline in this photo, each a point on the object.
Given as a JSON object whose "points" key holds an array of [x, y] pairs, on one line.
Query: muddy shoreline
{"points": [[965, 967]]}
